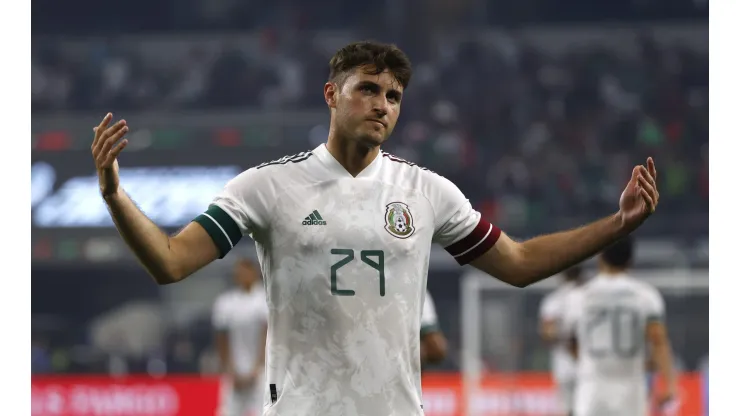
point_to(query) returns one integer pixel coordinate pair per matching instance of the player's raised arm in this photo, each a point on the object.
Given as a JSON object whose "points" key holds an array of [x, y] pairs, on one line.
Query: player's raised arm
{"points": [[523, 263], [167, 258]]}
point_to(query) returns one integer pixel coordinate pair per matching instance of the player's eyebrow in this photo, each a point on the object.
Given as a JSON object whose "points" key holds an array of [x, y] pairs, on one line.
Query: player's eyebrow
{"points": [[392, 93], [395, 94]]}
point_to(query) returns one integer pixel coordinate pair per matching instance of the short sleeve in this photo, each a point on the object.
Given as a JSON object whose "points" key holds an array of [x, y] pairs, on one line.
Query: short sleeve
{"points": [[655, 306], [219, 316], [240, 209], [458, 227], [429, 315]]}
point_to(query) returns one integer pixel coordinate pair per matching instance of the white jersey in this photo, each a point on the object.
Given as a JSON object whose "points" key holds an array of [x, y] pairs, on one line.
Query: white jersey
{"points": [[244, 316], [553, 308], [345, 263], [429, 321], [609, 318]]}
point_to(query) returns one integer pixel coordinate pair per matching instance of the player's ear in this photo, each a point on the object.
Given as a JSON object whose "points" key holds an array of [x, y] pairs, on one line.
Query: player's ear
{"points": [[331, 90]]}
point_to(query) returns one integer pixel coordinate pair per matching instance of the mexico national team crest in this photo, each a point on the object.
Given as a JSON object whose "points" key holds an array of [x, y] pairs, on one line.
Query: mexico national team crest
{"points": [[398, 220]]}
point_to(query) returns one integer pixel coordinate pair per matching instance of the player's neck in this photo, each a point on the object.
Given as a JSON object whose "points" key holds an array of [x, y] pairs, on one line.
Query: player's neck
{"points": [[353, 156]]}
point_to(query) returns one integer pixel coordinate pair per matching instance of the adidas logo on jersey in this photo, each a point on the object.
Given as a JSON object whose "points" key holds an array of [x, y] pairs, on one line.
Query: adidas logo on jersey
{"points": [[314, 219]]}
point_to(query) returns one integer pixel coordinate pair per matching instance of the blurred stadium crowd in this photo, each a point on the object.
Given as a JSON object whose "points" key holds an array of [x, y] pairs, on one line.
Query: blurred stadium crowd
{"points": [[530, 136], [527, 136]]}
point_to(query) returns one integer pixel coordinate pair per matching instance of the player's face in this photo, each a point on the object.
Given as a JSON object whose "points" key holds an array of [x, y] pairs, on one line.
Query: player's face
{"points": [[245, 275], [368, 106]]}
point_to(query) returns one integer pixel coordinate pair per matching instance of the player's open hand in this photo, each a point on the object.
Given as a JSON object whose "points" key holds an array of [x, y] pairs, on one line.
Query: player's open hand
{"points": [[640, 198], [106, 147]]}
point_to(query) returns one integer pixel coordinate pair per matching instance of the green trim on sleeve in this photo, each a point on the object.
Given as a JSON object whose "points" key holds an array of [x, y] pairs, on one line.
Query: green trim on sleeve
{"points": [[221, 227]]}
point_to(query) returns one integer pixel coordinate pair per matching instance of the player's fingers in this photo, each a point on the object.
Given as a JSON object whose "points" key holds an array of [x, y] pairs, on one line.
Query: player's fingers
{"points": [[113, 154], [102, 146], [104, 134], [648, 200], [110, 137], [109, 144], [651, 190], [103, 124], [101, 128], [635, 174], [646, 185], [645, 174], [651, 168]]}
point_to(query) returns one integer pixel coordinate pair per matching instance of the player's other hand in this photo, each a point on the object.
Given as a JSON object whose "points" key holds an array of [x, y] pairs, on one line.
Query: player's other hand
{"points": [[106, 147], [640, 198]]}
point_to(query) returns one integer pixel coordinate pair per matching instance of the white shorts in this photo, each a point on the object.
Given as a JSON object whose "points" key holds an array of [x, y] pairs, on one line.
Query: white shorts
{"points": [[246, 402], [565, 396], [611, 398]]}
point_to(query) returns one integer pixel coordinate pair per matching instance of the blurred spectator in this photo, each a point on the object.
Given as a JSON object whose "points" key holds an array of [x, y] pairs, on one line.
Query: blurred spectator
{"points": [[537, 134]]}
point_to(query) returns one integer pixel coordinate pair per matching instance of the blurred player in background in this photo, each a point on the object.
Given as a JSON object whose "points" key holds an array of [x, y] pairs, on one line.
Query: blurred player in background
{"points": [[433, 342], [617, 320], [553, 332], [240, 320]]}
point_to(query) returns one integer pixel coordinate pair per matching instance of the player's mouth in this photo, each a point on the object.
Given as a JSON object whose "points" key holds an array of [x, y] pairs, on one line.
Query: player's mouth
{"points": [[377, 121]]}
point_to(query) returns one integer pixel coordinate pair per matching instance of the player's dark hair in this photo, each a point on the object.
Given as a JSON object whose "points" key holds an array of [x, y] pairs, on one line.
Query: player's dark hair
{"points": [[374, 58], [619, 254]]}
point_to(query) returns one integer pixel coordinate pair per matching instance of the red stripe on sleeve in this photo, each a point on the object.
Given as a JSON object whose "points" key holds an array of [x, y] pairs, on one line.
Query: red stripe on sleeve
{"points": [[475, 244]]}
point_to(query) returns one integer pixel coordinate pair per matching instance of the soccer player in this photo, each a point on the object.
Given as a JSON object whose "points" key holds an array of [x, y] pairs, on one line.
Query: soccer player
{"points": [[343, 234], [617, 320], [240, 320], [552, 331], [433, 342]]}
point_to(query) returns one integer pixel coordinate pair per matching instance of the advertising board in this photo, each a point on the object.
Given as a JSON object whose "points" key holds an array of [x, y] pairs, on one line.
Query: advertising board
{"points": [[525, 394]]}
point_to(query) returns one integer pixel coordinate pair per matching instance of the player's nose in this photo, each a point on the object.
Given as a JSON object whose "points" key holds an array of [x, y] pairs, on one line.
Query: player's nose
{"points": [[380, 106], [380, 111]]}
